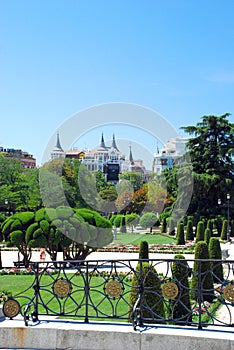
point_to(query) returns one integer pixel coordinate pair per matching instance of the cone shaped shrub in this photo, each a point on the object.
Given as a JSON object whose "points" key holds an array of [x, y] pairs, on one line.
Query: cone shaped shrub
{"points": [[164, 225], [202, 272], [210, 226], [123, 225], [189, 231], [216, 253], [171, 226], [200, 231], [180, 234], [218, 224], [224, 230], [207, 236], [181, 308], [144, 250], [152, 307]]}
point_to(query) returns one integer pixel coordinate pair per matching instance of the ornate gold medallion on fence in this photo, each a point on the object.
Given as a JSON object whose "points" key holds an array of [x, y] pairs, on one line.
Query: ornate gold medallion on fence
{"points": [[62, 288], [170, 290], [114, 289], [11, 308], [228, 293]]}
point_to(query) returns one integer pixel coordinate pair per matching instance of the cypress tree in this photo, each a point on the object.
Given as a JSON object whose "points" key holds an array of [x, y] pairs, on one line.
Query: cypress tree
{"points": [[203, 267], [152, 307], [207, 235], [189, 231], [180, 234], [216, 253], [164, 225], [171, 227], [218, 225], [123, 225], [144, 250], [224, 230], [200, 231], [180, 273], [210, 226]]}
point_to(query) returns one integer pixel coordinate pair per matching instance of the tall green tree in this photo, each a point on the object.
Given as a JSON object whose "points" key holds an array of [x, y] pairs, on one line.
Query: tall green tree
{"points": [[211, 149]]}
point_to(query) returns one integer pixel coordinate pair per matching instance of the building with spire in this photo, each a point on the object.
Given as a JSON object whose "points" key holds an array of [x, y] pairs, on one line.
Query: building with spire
{"points": [[57, 151], [134, 165], [107, 159]]}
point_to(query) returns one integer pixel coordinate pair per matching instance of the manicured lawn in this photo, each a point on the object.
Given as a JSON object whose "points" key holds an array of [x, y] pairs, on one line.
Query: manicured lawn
{"points": [[136, 238], [100, 304]]}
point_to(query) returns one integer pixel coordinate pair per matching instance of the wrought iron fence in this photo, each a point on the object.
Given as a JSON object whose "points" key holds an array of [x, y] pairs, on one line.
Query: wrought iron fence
{"points": [[199, 293]]}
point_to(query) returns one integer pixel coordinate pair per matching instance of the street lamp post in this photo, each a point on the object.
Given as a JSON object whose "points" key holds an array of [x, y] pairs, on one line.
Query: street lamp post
{"points": [[6, 204]]}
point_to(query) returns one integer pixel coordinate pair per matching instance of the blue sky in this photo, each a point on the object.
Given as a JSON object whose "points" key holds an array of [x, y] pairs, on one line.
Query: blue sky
{"points": [[59, 57]]}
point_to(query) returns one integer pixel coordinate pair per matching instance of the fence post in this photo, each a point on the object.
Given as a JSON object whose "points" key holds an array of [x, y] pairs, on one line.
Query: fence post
{"points": [[199, 294], [86, 293]]}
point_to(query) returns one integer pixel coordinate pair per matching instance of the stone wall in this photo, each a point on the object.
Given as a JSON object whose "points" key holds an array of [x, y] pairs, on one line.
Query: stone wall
{"points": [[101, 336]]}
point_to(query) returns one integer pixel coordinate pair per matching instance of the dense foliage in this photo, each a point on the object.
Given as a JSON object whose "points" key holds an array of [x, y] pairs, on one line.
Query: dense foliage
{"points": [[204, 267], [152, 303], [180, 271]]}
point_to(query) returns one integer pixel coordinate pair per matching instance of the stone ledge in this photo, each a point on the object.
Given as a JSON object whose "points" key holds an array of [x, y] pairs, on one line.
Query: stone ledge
{"points": [[101, 336]]}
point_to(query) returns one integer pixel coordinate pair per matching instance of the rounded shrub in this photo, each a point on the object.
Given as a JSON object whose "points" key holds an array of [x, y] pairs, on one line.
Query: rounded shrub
{"points": [[117, 220]]}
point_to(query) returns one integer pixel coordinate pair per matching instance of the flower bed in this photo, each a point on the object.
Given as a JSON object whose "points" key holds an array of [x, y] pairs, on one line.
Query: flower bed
{"points": [[153, 248]]}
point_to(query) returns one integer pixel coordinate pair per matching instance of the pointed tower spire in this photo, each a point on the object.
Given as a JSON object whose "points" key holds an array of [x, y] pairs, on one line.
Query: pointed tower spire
{"points": [[58, 144], [114, 143], [102, 144], [130, 156]]}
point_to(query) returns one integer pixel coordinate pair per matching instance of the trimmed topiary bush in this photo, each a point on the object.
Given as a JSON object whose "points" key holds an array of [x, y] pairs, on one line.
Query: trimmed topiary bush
{"points": [[180, 234], [207, 235], [181, 308], [202, 268], [117, 220], [123, 225], [224, 230], [144, 250], [171, 227], [218, 222], [148, 220], [152, 307], [210, 225], [215, 252], [200, 231], [164, 225], [189, 231]]}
